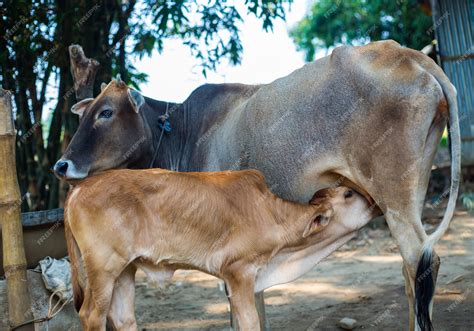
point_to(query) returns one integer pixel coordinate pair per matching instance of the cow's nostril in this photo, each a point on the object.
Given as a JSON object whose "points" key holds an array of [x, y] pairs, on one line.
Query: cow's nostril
{"points": [[60, 168]]}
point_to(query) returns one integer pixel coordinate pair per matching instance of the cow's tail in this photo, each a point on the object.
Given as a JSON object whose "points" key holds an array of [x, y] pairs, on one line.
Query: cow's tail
{"points": [[425, 282], [76, 263]]}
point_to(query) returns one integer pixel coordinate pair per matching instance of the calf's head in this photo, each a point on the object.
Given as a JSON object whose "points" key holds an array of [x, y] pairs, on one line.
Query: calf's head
{"points": [[341, 206], [112, 133]]}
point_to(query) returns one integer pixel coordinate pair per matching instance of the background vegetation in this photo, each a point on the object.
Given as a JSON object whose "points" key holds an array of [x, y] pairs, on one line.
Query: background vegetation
{"points": [[330, 23]]}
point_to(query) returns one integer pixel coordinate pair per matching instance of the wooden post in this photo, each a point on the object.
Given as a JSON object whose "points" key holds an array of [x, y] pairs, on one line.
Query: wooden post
{"points": [[83, 72], [14, 260]]}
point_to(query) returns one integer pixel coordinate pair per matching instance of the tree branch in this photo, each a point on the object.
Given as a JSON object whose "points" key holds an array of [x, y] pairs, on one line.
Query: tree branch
{"points": [[45, 79]]}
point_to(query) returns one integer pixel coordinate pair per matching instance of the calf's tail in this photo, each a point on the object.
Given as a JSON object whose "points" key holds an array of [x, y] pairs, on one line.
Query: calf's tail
{"points": [[425, 280], [76, 266]]}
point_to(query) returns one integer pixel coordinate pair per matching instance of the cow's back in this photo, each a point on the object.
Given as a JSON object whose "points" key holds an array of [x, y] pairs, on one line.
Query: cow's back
{"points": [[208, 107], [307, 129]]}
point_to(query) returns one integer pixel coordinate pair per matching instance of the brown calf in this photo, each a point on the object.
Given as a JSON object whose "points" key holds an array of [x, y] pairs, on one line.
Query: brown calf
{"points": [[227, 224]]}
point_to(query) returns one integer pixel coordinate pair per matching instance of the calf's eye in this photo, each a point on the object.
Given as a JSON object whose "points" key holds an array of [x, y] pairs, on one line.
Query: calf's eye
{"points": [[107, 113], [348, 194]]}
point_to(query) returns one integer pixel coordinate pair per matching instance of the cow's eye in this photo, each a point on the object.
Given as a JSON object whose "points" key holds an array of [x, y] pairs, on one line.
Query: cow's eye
{"points": [[107, 113], [348, 194]]}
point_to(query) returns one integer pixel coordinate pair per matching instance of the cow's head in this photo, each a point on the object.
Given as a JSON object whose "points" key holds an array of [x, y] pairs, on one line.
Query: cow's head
{"points": [[112, 133]]}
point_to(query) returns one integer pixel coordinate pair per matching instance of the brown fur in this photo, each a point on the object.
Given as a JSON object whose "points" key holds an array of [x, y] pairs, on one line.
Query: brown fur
{"points": [[227, 224]]}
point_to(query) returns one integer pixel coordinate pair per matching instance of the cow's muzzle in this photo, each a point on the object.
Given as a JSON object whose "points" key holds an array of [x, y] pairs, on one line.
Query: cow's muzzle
{"points": [[60, 168], [65, 169]]}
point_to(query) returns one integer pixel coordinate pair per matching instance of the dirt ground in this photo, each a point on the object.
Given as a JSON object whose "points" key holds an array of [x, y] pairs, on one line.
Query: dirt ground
{"points": [[362, 280]]}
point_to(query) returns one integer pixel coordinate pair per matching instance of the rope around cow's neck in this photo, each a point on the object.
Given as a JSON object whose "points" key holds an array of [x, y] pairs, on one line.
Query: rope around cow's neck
{"points": [[162, 118]]}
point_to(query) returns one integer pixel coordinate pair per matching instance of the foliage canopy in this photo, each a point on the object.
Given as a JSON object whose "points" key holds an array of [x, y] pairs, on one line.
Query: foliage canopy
{"points": [[330, 23]]}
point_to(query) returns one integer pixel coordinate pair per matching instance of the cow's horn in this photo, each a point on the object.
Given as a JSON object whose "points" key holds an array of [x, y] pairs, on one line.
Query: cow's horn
{"points": [[103, 86], [118, 78]]}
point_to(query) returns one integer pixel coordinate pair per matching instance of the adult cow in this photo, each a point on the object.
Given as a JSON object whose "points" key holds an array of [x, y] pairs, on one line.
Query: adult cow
{"points": [[370, 117]]}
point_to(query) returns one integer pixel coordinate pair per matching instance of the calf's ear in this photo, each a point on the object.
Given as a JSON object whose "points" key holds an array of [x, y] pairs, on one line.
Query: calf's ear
{"points": [[79, 107], [136, 99], [318, 222]]}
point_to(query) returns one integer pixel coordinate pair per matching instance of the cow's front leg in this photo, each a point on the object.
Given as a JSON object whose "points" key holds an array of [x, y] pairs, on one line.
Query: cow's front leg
{"points": [[260, 304]]}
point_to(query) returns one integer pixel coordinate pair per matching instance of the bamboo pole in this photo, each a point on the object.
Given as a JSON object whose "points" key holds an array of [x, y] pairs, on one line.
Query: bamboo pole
{"points": [[14, 260]]}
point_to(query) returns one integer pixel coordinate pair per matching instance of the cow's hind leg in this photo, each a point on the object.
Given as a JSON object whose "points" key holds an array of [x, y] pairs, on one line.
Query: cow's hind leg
{"points": [[121, 315], [410, 295], [428, 292], [429, 262], [404, 205], [420, 269], [410, 242], [421, 293]]}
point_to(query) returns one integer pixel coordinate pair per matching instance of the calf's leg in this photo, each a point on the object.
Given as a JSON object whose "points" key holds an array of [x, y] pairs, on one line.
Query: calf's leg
{"points": [[260, 305], [242, 303], [102, 270], [121, 314], [96, 305], [86, 307]]}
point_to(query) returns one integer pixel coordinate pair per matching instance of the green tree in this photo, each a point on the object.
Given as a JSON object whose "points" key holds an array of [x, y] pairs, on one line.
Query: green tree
{"points": [[330, 23], [34, 62]]}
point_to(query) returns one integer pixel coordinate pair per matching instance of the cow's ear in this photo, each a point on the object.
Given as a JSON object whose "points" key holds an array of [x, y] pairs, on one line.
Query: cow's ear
{"points": [[136, 99], [318, 222], [79, 107]]}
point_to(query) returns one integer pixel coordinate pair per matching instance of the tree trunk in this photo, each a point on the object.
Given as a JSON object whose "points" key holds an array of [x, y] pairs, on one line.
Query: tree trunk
{"points": [[14, 260]]}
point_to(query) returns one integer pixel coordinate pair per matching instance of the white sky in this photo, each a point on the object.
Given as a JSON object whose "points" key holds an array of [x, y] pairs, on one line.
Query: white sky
{"points": [[174, 73]]}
